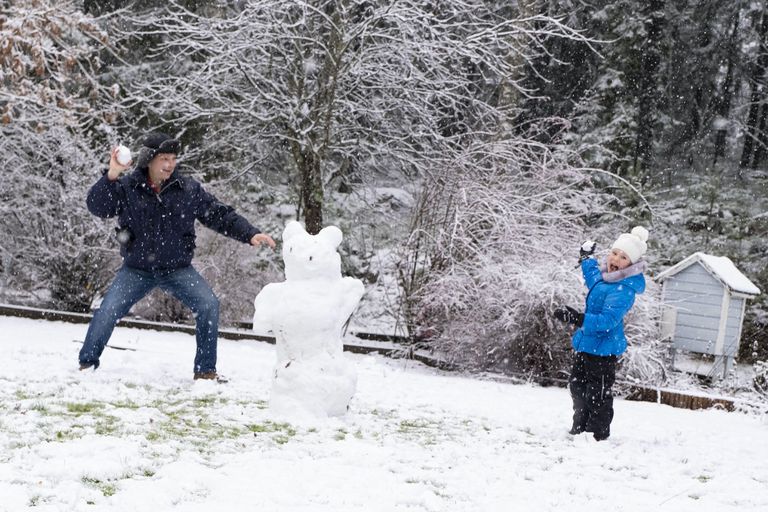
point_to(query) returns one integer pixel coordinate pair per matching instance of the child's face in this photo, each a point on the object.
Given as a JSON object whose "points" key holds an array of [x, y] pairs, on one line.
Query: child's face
{"points": [[618, 260]]}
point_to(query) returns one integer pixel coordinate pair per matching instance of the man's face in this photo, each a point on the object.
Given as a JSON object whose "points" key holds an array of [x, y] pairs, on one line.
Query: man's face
{"points": [[618, 260], [161, 167]]}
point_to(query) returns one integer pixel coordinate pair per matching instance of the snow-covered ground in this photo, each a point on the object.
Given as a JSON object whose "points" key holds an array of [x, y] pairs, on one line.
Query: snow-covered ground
{"points": [[139, 434]]}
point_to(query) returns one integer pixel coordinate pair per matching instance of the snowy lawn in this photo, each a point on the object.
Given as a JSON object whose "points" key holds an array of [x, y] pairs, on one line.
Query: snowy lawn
{"points": [[139, 434]]}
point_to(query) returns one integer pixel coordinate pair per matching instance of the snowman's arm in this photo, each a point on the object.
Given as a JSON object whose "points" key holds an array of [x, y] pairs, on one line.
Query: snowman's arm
{"points": [[353, 291], [263, 306]]}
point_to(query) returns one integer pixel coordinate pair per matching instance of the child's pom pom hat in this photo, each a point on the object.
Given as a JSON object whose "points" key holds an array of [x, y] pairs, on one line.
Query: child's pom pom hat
{"points": [[633, 243]]}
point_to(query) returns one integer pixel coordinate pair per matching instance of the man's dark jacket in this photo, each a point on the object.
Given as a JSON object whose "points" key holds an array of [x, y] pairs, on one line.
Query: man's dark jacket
{"points": [[157, 231]]}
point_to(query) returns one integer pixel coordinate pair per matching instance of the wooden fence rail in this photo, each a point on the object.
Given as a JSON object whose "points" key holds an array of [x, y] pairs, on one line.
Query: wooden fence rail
{"points": [[388, 345]]}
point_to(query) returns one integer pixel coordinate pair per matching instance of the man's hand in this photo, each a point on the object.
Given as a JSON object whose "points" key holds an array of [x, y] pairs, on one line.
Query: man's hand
{"points": [[115, 167], [569, 315], [262, 238]]}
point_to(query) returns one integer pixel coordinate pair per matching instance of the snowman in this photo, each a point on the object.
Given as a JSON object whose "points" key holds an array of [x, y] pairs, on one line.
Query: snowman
{"points": [[307, 313]]}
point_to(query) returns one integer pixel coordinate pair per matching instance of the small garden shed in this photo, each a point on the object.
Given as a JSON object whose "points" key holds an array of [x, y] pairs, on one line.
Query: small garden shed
{"points": [[704, 300]]}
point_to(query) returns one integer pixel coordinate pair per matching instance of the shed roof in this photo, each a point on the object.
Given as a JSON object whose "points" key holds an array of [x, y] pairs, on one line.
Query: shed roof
{"points": [[720, 267]]}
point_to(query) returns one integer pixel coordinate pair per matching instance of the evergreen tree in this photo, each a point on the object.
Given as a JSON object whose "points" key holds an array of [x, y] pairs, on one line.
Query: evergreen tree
{"points": [[754, 130]]}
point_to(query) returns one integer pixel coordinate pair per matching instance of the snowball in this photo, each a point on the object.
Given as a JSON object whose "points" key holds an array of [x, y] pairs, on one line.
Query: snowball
{"points": [[123, 155]]}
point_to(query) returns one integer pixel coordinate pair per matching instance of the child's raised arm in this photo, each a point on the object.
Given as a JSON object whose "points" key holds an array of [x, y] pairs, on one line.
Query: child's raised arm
{"points": [[591, 271]]}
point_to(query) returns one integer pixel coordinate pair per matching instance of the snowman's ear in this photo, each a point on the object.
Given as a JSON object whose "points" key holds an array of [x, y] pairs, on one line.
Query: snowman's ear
{"points": [[292, 229], [331, 235]]}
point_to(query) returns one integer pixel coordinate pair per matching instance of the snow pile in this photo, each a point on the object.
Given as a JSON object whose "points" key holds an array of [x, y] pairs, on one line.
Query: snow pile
{"points": [[414, 439], [723, 267]]}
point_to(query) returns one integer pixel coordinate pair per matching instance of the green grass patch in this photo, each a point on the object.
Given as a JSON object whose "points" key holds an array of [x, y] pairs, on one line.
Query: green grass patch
{"points": [[125, 404], [390, 414], [40, 408], [83, 408], [107, 425], [269, 426], [281, 438], [424, 430], [260, 404], [67, 435], [20, 394], [206, 401], [418, 425], [190, 425], [282, 432], [106, 488], [163, 405]]}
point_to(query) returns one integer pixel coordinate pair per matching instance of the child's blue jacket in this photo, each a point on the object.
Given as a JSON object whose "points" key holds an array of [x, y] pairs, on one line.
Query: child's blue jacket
{"points": [[602, 332]]}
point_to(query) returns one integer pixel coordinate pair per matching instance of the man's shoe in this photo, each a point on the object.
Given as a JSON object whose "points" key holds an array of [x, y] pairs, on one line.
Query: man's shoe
{"points": [[576, 430], [85, 366], [210, 376], [601, 437]]}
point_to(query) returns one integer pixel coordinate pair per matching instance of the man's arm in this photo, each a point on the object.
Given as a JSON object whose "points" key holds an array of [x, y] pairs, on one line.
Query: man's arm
{"points": [[103, 198], [222, 218]]}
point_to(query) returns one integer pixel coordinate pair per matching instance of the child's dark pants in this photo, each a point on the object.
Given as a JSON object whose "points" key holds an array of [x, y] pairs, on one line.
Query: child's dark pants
{"points": [[592, 378]]}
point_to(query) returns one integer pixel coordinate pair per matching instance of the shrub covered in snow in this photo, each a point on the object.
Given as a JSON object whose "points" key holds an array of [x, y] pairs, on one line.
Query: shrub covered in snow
{"points": [[54, 125], [761, 377], [492, 251]]}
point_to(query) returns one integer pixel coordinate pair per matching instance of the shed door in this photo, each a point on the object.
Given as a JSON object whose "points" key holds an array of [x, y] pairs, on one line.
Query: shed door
{"points": [[668, 322]]}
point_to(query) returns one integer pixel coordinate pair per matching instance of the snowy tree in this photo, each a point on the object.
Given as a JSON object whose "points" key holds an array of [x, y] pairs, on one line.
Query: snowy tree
{"points": [[492, 253], [496, 234], [332, 92], [54, 117]]}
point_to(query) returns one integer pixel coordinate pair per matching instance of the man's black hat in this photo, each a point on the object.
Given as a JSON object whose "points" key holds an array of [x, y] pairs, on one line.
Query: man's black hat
{"points": [[154, 144]]}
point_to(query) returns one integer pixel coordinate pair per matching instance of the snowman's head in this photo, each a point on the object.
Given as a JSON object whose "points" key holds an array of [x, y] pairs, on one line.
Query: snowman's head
{"points": [[310, 256]]}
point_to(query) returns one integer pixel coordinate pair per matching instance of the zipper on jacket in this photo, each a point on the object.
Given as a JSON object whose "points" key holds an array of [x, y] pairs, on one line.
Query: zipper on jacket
{"points": [[166, 187]]}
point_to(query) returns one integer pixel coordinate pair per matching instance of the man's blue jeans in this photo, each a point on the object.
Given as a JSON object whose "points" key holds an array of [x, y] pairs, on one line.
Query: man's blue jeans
{"points": [[131, 285]]}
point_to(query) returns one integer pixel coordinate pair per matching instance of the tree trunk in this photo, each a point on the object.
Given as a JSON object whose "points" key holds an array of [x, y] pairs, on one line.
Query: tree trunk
{"points": [[723, 106], [311, 193], [762, 136], [311, 153], [509, 96], [648, 94], [747, 152], [756, 115]]}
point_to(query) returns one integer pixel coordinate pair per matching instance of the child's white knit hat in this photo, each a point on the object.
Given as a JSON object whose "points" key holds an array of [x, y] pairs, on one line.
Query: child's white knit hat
{"points": [[633, 243]]}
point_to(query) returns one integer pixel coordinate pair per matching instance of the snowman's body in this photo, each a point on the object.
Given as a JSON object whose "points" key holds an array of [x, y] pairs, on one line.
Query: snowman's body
{"points": [[307, 313]]}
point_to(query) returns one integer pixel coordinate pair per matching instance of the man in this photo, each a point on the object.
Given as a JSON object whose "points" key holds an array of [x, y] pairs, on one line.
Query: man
{"points": [[156, 209]]}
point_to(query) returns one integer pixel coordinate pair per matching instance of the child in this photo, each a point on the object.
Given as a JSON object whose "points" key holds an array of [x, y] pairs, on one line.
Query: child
{"points": [[599, 338]]}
